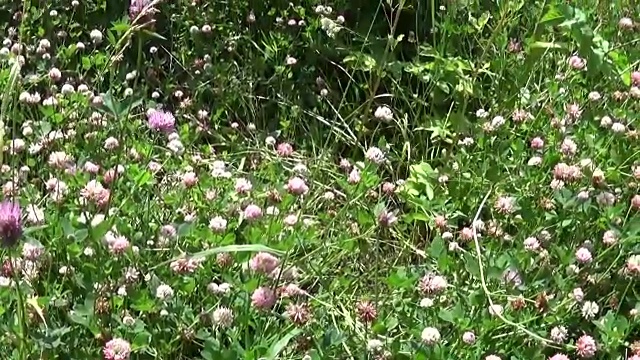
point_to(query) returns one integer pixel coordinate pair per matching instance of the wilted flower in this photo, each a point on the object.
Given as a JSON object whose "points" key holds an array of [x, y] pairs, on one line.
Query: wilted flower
{"points": [[387, 218], [291, 290], [223, 317], [366, 310], [514, 46], [299, 314], [521, 115], [185, 265]]}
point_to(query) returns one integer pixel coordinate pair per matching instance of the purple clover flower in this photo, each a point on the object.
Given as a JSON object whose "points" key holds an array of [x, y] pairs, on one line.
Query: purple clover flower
{"points": [[10, 223], [136, 8], [161, 121]]}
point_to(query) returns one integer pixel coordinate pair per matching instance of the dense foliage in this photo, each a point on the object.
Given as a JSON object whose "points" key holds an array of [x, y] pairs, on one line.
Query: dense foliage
{"points": [[399, 179]]}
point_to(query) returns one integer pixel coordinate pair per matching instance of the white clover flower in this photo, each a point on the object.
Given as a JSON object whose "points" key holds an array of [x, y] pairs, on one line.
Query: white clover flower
{"points": [[559, 334], [290, 60], [374, 345], [482, 114], [96, 36], [590, 309], [330, 27], [497, 121], [426, 303], [176, 147], [430, 336], [496, 309], [164, 292], [618, 128], [67, 89], [375, 155], [383, 113]]}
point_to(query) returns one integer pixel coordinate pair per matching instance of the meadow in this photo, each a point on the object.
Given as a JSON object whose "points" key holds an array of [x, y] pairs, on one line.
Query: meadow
{"points": [[346, 179]]}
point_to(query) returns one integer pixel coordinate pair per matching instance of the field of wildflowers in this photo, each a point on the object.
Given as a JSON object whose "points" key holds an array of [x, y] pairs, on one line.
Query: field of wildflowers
{"points": [[392, 179]]}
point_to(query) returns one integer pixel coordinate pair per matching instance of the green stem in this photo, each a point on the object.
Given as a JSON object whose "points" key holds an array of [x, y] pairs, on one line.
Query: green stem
{"points": [[388, 48], [22, 321], [494, 34]]}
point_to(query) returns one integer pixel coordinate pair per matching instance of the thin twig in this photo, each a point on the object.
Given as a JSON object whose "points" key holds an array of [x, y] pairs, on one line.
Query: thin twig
{"points": [[483, 282]]}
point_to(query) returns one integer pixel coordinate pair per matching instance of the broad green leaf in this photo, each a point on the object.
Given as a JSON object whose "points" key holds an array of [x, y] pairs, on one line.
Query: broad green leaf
{"points": [[436, 249], [446, 315], [553, 16], [429, 190], [278, 346], [142, 340], [471, 265]]}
